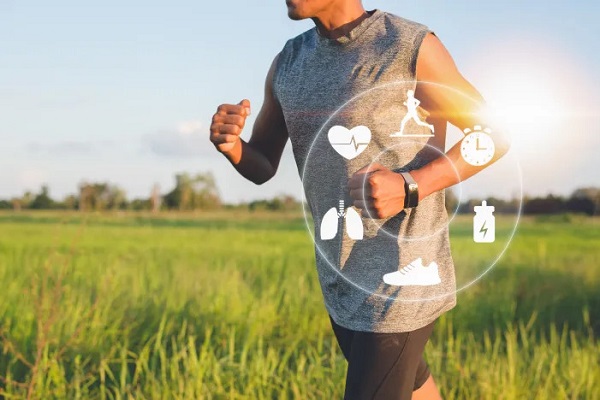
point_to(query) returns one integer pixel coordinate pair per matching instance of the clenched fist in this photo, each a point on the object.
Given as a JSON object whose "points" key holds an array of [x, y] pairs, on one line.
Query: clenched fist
{"points": [[377, 191], [227, 125]]}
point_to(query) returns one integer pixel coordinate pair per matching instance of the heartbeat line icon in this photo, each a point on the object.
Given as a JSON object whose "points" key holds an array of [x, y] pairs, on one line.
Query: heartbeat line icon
{"points": [[349, 143], [353, 142]]}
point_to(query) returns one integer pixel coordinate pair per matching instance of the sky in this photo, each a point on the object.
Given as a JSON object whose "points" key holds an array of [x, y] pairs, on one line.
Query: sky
{"points": [[124, 91]]}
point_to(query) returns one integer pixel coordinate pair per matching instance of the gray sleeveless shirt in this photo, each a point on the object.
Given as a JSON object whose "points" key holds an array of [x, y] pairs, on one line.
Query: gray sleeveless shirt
{"points": [[364, 80]]}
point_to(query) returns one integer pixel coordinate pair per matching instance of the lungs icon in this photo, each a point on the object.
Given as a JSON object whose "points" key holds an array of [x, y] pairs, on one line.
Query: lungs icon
{"points": [[354, 226], [329, 224]]}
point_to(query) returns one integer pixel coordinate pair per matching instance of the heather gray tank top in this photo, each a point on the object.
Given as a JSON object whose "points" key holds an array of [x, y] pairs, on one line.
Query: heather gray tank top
{"points": [[364, 79]]}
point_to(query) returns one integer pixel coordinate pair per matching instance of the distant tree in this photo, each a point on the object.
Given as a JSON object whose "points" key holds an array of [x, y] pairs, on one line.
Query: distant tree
{"points": [[544, 205], [42, 201], [502, 206], [179, 197], [468, 207], [17, 203], [26, 199], [23, 202], [290, 203], [155, 198], [512, 206], [198, 192], [115, 198], [5, 205], [86, 197], [256, 205], [205, 193], [140, 205], [584, 200], [278, 203], [101, 196], [589, 192], [70, 202], [581, 205]]}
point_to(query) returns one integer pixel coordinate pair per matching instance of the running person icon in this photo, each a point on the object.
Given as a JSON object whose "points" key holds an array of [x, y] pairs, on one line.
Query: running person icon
{"points": [[411, 104]]}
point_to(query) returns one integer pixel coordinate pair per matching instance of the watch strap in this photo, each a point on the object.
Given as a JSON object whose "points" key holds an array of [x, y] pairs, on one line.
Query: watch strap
{"points": [[411, 189]]}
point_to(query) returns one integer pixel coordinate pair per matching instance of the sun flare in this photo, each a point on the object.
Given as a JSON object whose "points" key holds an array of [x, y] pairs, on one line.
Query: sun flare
{"points": [[531, 102]]}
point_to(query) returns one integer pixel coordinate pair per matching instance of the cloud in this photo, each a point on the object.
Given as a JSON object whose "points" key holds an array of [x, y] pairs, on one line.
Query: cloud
{"points": [[188, 139]]}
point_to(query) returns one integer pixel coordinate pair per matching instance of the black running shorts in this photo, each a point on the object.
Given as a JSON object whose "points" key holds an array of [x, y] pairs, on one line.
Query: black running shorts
{"points": [[383, 366]]}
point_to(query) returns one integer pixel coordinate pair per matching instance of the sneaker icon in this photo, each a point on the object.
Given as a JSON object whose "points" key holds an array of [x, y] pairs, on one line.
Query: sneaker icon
{"points": [[415, 274]]}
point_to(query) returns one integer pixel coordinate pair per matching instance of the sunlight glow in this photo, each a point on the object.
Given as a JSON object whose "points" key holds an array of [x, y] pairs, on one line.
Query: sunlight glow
{"points": [[531, 107]]}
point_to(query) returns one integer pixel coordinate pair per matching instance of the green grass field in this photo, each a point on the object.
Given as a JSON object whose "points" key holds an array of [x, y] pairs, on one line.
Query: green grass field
{"points": [[221, 306]]}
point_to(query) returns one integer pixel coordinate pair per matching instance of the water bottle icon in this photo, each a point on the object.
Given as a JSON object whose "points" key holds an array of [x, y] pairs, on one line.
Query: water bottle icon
{"points": [[484, 224]]}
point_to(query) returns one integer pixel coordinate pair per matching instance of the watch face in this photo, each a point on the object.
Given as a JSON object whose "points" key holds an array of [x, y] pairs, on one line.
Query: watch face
{"points": [[477, 148]]}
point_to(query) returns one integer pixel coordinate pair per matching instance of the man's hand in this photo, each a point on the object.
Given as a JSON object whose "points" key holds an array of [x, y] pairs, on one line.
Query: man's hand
{"points": [[377, 191], [227, 125]]}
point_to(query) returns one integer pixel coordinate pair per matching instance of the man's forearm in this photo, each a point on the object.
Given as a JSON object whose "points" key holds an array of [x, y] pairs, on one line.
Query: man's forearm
{"points": [[250, 163], [444, 172]]}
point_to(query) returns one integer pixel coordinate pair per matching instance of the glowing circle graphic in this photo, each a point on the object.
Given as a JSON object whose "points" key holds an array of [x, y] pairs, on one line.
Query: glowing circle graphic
{"points": [[407, 249]]}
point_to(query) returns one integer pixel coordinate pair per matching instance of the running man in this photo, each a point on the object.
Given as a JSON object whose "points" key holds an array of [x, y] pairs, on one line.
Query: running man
{"points": [[347, 52], [411, 104]]}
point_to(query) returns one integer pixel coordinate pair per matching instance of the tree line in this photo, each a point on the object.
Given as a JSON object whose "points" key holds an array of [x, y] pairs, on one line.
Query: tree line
{"points": [[199, 192], [191, 192], [581, 201]]}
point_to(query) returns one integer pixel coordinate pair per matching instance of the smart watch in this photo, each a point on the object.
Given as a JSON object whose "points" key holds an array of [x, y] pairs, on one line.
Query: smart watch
{"points": [[411, 189]]}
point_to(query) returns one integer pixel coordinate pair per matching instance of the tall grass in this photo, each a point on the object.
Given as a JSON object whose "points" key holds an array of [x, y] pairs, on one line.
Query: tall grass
{"points": [[229, 307]]}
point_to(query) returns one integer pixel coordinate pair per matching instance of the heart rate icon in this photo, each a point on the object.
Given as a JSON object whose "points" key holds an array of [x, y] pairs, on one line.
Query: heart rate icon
{"points": [[349, 143]]}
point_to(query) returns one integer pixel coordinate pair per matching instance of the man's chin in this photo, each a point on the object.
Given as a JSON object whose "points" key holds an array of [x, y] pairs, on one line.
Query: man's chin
{"points": [[294, 15]]}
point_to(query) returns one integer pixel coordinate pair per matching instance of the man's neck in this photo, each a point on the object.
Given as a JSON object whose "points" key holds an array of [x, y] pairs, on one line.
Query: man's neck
{"points": [[345, 29], [338, 14]]}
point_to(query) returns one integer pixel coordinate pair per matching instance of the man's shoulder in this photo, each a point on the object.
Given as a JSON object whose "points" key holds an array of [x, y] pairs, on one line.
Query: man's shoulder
{"points": [[304, 38], [403, 23]]}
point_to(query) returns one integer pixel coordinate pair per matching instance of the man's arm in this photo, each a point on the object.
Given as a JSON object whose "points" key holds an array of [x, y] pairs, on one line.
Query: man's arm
{"points": [[450, 98], [454, 99], [256, 160]]}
